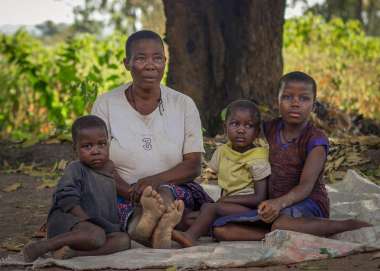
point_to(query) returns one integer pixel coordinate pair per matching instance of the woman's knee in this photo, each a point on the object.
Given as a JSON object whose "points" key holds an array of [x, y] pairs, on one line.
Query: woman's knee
{"points": [[166, 194]]}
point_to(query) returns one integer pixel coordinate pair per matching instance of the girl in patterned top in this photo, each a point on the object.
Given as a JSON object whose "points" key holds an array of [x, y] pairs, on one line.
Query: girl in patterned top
{"points": [[242, 170], [298, 198]]}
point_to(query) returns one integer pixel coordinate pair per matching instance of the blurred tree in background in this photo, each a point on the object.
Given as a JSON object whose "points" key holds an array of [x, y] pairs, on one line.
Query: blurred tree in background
{"points": [[123, 16]]}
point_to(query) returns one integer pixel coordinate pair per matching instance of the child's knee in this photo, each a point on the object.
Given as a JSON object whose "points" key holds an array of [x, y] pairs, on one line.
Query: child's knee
{"points": [[122, 240], [96, 237]]}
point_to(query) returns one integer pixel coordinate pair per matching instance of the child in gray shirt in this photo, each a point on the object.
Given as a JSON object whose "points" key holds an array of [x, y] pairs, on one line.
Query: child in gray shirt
{"points": [[83, 219]]}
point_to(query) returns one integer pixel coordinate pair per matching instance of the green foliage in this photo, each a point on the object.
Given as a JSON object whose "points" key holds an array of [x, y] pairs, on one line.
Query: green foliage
{"points": [[344, 61], [43, 89]]}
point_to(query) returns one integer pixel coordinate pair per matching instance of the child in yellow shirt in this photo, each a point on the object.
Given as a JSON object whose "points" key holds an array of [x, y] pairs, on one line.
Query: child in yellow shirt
{"points": [[242, 169]]}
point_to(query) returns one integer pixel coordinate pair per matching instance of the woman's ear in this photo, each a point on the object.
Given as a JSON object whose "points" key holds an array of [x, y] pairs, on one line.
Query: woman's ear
{"points": [[126, 64]]}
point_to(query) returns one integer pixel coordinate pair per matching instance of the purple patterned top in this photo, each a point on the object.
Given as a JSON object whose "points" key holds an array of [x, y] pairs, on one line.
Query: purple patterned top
{"points": [[287, 161]]}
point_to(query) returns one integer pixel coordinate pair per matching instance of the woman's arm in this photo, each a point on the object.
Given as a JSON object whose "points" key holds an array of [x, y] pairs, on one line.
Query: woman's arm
{"points": [[252, 200], [314, 164], [184, 172]]}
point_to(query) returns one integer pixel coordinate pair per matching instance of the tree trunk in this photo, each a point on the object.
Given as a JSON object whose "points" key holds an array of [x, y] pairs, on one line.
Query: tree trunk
{"points": [[222, 50]]}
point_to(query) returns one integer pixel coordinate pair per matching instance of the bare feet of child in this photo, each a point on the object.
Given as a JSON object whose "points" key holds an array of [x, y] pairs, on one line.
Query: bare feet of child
{"points": [[34, 250], [152, 209], [184, 239], [162, 236], [64, 252]]}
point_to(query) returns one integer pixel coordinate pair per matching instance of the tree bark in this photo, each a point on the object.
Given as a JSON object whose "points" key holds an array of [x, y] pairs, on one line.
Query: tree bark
{"points": [[222, 50]]}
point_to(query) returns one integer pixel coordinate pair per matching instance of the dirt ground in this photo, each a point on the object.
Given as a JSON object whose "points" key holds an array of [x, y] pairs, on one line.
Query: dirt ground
{"points": [[23, 207]]}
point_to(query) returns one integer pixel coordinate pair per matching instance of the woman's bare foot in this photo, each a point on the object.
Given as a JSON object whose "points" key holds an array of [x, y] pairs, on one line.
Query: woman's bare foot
{"points": [[162, 236], [34, 250], [152, 209], [64, 252], [182, 238]]}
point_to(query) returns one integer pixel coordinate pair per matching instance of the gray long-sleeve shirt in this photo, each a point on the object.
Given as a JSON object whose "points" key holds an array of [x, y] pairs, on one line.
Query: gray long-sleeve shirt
{"points": [[94, 192]]}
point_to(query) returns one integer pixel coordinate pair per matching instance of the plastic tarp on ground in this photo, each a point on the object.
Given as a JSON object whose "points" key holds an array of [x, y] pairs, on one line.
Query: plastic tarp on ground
{"points": [[354, 197]]}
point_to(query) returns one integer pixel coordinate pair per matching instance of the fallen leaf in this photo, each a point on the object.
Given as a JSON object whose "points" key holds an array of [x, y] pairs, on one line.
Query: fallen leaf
{"points": [[48, 183], [338, 162], [52, 141], [62, 164], [12, 187], [12, 246]]}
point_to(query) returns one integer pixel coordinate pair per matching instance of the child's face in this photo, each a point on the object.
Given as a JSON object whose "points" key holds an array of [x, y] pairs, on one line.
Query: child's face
{"points": [[241, 130], [296, 101], [92, 147], [146, 63]]}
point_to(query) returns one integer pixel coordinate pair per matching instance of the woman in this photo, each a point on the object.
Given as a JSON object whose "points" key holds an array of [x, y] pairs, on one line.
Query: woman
{"points": [[156, 138]]}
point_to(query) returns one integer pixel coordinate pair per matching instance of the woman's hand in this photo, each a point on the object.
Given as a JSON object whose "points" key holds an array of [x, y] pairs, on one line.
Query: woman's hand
{"points": [[269, 210]]}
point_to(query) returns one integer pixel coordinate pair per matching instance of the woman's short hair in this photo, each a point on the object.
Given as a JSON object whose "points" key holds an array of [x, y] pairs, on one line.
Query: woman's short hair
{"points": [[141, 35]]}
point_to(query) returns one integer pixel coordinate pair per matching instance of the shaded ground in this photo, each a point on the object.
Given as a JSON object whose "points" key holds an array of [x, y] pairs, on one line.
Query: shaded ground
{"points": [[27, 178]]}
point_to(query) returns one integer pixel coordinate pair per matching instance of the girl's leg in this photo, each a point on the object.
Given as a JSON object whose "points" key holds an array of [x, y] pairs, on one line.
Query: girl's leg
{"points": [[187, 220], [317, 226], [83, 236], [240, 232], [115, 242], [201, 226]]}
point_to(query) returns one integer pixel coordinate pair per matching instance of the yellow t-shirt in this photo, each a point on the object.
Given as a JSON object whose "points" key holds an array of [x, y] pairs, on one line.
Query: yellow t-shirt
{"points": [[238, 171]]}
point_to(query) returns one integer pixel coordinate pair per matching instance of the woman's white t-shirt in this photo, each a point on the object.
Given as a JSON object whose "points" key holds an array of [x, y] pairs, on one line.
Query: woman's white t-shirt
{"points": [[144, 145]]}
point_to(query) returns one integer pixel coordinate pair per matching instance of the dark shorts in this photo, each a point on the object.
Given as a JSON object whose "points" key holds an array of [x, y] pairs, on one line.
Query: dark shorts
{"points": [[305, 208], [59, 222], [191, 193]]}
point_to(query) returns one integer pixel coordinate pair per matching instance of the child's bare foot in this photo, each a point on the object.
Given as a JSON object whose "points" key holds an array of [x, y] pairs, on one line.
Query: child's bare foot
{"points": [[152, 209], [64, 252], [182, 238], [162, 236], [34, 250]]}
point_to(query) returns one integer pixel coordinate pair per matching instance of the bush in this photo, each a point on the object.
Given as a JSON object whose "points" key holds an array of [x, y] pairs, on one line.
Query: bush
{"points": [[43, 89], [343, 60]]}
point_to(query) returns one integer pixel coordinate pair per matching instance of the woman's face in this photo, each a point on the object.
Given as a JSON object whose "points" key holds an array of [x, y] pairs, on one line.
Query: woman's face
{"points": [[146, 63]]}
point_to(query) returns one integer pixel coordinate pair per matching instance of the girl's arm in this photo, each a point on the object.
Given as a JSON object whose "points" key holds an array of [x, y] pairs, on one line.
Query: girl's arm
{"points": [[252, 200], [314, 164]]}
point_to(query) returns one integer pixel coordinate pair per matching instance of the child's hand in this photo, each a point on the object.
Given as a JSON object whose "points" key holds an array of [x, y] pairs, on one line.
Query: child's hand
{"points": [[269, 210]]}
